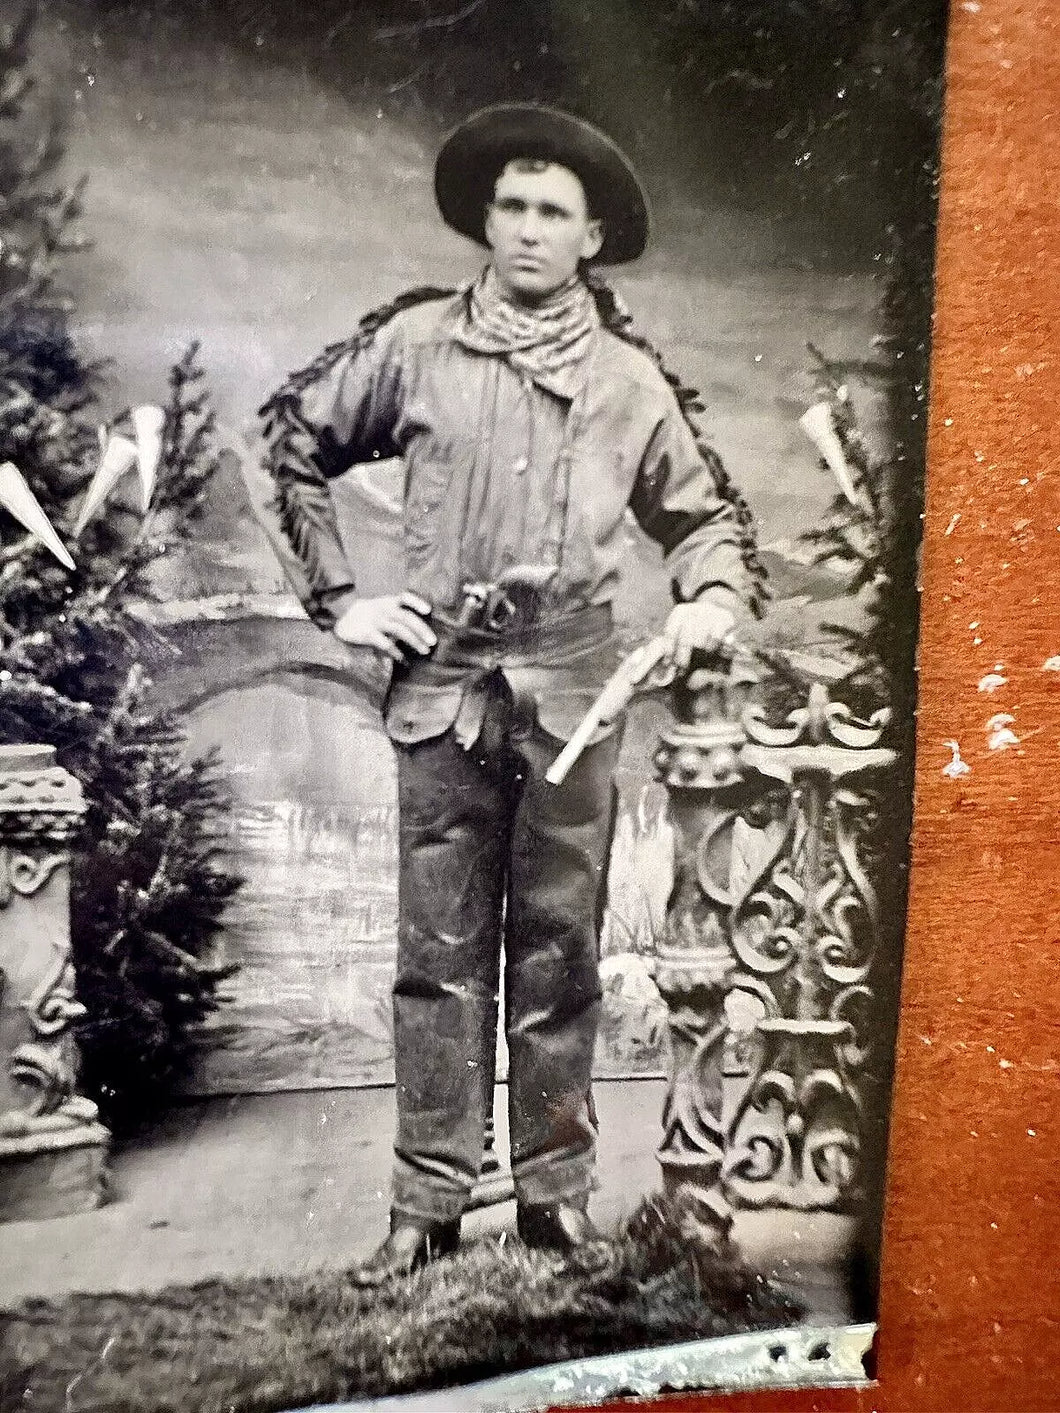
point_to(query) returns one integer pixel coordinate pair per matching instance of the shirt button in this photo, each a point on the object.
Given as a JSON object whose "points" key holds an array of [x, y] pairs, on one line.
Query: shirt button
{"points": [[521, 464]]}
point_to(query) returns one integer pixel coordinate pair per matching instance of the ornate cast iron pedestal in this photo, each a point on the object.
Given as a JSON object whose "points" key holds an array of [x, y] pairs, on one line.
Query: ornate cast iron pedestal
{"points": [[52, 1147], [772, 929], [699, 762]]}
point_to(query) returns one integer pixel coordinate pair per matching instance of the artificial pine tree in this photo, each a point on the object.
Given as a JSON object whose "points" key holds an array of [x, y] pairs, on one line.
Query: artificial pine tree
{"points": [[149, 883], [862, 539]]}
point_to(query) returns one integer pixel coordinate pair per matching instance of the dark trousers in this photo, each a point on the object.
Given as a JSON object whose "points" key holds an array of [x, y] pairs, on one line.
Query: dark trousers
{"points": [[492, 859]]}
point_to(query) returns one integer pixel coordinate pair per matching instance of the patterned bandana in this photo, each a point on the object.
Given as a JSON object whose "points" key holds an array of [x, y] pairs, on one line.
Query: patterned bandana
{"points": [[549, 342]]}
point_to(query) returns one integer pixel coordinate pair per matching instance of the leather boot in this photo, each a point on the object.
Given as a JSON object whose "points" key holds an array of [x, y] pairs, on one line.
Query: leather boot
{"points": [[562, 1226], [410, 1245]]}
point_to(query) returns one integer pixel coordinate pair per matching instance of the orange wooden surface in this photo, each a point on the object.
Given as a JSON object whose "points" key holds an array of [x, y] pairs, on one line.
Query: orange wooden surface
{"points": [[970, 1309]]}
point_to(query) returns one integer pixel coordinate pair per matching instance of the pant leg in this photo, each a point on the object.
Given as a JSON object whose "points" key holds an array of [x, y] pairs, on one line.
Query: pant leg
{"points": [[561, 846], [453, 842]]}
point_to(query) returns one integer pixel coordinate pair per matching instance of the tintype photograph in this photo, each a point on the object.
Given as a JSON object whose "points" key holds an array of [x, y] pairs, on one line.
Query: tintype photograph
{"points": [[461, 469]]}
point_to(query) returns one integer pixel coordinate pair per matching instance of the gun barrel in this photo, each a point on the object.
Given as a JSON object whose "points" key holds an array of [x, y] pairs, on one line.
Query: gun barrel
{"points": [[616, 694], [571, 752]]}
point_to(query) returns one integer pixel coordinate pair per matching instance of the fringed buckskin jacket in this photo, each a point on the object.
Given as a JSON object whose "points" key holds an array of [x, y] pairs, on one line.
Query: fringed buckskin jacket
{"points": [[501, 469]]}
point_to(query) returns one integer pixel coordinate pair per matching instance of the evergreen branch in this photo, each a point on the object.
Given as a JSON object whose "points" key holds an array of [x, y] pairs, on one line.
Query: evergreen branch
{"points": [[120, 709], [188, 965], [18, 549], [22, 691]]}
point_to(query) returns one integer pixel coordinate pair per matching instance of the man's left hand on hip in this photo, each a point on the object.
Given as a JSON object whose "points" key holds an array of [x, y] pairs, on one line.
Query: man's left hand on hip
{"points": [[690, 626]]}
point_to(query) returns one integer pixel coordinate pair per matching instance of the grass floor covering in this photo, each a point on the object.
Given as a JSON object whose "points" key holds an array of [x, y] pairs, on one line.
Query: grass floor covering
{"points": [[281, 1343]]}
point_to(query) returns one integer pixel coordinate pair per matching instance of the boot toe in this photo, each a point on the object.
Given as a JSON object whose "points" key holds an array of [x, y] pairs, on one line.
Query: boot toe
{"points": [[562, 1227], [408, 1248]]}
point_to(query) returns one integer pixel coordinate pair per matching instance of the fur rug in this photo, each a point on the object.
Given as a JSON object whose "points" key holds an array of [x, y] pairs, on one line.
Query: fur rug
{"points": [[285, 1342]]}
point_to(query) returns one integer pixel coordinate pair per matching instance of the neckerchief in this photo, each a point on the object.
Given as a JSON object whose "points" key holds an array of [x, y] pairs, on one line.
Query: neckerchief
{"points": [[549, 342]]}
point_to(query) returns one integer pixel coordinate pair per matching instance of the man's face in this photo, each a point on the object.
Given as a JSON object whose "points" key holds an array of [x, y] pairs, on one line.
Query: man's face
{"points": [[539, 229]]}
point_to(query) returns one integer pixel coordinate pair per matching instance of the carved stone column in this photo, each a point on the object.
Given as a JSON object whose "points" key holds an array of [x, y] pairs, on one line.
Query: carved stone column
{"points": [[52, 1147]]}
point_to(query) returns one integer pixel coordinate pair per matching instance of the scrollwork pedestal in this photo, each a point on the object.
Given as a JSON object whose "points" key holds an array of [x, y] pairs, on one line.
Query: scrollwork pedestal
{"points": [[52, 1146], [767, 965], [698, 760]]}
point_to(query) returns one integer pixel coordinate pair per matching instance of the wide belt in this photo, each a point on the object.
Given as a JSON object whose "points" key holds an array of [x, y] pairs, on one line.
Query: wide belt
{"points": [[552, 640], [541, 661]]}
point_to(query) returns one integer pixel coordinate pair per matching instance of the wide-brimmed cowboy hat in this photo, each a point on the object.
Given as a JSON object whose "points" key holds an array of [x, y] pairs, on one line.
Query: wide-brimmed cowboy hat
{"points": [[475, 154]]}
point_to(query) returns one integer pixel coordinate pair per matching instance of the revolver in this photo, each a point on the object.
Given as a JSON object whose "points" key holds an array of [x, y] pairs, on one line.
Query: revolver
{"points": [[514, 596]]}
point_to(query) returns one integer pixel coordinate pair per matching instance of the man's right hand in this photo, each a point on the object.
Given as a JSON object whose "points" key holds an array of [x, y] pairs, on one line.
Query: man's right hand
{"points": [[390, 624]]}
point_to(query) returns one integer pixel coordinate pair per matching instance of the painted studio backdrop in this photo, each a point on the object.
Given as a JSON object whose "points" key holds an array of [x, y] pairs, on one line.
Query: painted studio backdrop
{"points": [[198, 821], [258, 185]]}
